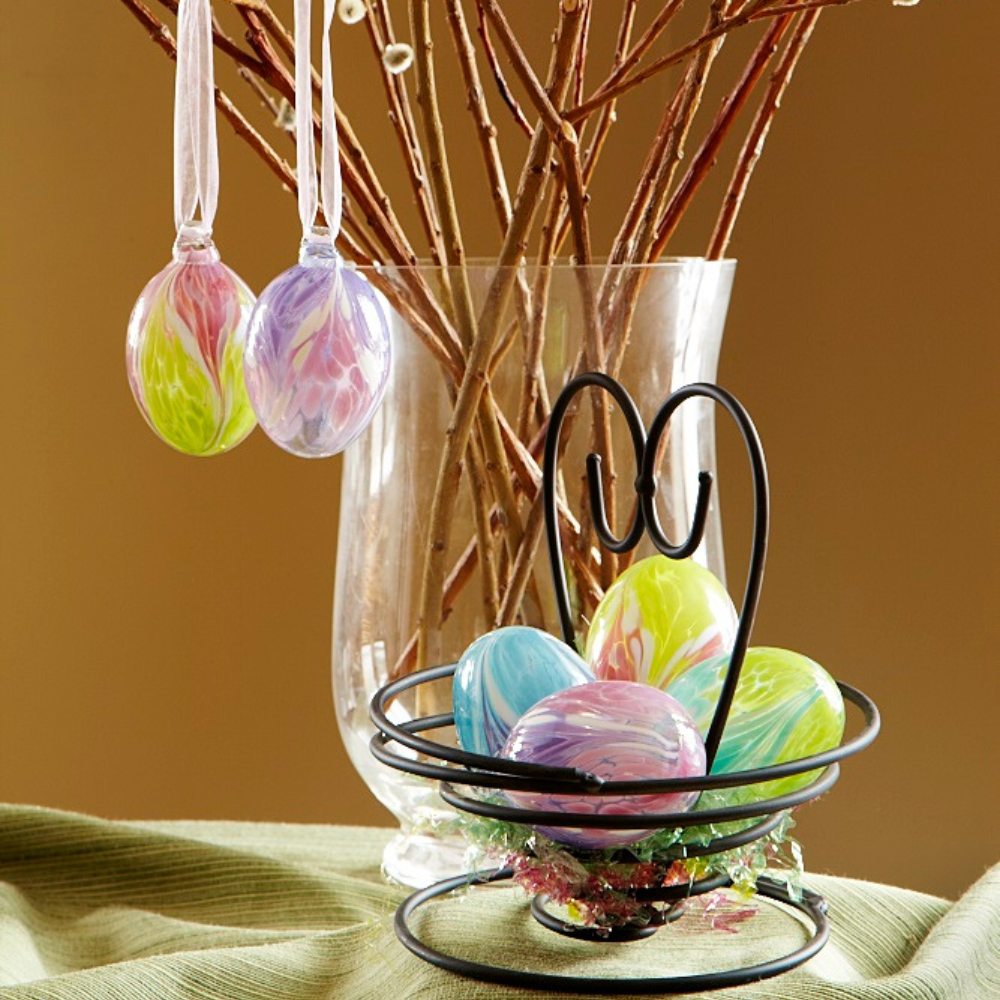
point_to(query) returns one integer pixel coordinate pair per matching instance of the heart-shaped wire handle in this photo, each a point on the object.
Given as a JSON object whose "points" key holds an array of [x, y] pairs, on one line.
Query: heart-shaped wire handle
{"points": [[645, 518]]}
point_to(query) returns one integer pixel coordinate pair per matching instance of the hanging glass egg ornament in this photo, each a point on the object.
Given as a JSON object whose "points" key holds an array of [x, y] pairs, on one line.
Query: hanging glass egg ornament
{"points": [[317, 355], [184, 351]]}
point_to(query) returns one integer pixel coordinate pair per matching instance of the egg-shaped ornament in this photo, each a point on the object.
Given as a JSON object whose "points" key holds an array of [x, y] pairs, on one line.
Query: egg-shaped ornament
{"points": [[617, 730], [786, 707], [660, 617], [318, 353], [503, 674], [184, 351]]}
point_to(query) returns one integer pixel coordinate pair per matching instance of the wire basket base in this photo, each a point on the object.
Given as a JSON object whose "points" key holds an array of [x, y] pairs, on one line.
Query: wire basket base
{"points": [[812, 905]]}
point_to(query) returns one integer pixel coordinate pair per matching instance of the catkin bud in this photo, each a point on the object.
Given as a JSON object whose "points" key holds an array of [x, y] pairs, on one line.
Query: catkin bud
{"points": [[397, 57], [351, 11]]}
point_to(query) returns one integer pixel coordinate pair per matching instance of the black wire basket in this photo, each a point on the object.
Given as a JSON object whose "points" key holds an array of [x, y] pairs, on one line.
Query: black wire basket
{"points": [[463, 776]]}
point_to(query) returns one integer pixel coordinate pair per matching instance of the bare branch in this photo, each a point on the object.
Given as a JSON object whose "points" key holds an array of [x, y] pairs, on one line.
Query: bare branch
{"points": [[379, 30], [757, 136], [745, 16], [486, 131], [705, 157], [499, 78]]}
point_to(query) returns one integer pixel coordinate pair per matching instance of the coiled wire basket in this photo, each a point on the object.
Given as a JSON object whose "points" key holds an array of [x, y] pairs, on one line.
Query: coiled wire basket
{"points": [[464, 776]]}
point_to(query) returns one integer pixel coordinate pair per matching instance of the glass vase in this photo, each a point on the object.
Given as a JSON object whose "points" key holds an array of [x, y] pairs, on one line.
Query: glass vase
{"points": [[658, 327]]}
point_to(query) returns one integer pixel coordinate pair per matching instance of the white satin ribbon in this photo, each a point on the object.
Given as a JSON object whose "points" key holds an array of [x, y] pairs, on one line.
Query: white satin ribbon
{"points": [[196, 154], [305, 147]]}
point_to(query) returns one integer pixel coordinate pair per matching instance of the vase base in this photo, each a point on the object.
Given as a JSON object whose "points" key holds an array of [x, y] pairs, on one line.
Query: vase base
{"points": [[418, 860]]}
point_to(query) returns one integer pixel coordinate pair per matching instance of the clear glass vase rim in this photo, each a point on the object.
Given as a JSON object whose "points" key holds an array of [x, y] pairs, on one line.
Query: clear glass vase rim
{"points": [[599, 264]]}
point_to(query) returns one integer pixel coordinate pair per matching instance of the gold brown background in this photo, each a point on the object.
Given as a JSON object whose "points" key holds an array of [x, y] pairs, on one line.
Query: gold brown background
{"points": [[165, 630]]}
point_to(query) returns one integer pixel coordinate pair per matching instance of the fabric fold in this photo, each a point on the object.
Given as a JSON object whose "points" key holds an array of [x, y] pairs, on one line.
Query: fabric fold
{"points": [[98, 910]]}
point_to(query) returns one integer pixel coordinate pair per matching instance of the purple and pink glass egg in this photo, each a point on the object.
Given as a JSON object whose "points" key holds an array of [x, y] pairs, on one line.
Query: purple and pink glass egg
{"points": [[317, 354], [619, 731]]}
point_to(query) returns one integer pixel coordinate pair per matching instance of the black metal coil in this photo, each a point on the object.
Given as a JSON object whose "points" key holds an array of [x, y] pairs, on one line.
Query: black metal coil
{"points": [[398, 744]]}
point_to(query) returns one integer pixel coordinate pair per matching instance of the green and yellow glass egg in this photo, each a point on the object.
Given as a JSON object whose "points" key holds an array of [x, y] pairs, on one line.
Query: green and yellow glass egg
{"points": [[786, 707]]}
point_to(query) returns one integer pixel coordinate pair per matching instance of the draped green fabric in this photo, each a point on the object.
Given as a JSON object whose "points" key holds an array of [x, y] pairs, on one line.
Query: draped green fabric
{"points": [[97, 910]]}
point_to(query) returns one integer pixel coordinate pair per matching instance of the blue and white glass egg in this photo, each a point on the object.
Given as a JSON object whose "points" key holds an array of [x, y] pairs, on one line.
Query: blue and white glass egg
{"points": [[503, 674]]}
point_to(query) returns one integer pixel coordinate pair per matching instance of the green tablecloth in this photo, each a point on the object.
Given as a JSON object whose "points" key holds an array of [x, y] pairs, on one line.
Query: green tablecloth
{"points": [[227, 911]]}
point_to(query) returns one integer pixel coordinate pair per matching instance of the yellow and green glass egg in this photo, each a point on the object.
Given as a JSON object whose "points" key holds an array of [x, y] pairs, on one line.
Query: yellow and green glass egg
{"points": [[657, 620]]}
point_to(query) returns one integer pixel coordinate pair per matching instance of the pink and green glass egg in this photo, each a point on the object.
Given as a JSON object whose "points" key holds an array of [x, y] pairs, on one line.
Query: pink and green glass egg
{"points": [[619, 731], [658, 619], [184, 352], [786, 707]]}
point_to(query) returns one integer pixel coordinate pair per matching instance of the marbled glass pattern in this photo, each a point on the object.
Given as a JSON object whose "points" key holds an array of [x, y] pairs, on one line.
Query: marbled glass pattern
{"points": [[786, 707], [184, 353], [616, 730], [657, 619], [503, 674], [317, 356]]}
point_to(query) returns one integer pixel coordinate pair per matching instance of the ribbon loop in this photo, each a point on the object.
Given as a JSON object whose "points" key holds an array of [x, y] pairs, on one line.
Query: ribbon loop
{"points": [[305, 147], [196, 154]]}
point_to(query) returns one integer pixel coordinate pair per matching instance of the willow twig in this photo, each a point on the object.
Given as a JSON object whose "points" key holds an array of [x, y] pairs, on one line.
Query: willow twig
{"points": [[607, 116], [646, 40], [621, 246], [403, 125], [692, 92], [479, 490], [505, 94], [566, 141], [354, 237], [605, 120], [687, 101], [427, 101], [563, 134], [705, 157], [486, 134], [486, 131], [580, 67], [440, 175], [263, 95], [533, 388], [475, 378], [797, 8], [757, 136], [523, 565], [602, 96]]}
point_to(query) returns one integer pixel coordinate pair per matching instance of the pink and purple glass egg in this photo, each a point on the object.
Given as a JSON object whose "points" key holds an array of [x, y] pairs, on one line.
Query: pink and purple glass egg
{"points": [[184, 352], [317, 354], [617, 730]]}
